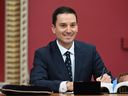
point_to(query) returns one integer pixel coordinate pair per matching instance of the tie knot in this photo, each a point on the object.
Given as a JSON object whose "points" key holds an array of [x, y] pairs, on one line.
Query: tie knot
{"points": [[67, 53]]}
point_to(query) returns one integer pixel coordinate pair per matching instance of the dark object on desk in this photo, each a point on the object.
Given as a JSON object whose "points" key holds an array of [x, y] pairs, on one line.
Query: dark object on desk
{"points": [[123, 90], [87, 88], [105, 90], [23, 89]]}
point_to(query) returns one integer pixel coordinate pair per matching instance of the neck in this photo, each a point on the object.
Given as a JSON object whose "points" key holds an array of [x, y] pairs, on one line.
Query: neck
{"points": [[65, 45], [68, 46]]}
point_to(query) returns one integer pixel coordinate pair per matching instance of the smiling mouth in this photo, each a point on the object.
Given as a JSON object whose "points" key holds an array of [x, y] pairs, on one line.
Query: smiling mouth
{"points": [[68, 37]]}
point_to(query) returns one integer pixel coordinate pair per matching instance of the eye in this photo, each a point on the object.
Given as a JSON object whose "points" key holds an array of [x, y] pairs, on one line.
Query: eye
{"points": [[73, 24], [63, 25]]}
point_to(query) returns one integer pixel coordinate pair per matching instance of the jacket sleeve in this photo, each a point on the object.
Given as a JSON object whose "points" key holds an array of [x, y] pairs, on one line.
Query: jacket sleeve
{"points": [[99, 65], [39, 74]]}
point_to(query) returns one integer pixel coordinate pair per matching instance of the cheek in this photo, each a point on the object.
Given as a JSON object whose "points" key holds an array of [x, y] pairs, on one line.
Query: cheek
{"points": [[58, 33], [60, 30], [75, 29]]}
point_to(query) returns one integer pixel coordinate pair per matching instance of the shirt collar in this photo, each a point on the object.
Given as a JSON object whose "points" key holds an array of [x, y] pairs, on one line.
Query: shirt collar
{"points": [[63, 50]]}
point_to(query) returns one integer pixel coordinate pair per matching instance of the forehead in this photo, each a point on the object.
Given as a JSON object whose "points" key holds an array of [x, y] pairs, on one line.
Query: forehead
{"points": [[66, 17]]}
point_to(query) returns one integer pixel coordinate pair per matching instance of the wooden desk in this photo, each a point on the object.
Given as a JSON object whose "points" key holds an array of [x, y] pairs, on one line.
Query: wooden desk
{"points": [[58, 94]]}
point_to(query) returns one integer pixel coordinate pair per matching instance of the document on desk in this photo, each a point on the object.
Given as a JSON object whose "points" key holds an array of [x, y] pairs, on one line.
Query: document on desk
{"points": [[23, 89], [116, 88]]}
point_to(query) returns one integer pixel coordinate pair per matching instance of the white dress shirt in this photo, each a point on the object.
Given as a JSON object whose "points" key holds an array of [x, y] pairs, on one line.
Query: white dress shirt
{"points": [[63, 87]]}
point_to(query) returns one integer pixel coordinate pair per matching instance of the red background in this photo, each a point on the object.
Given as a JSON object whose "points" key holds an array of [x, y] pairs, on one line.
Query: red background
{"points": [[2, 24], [101, 22]]}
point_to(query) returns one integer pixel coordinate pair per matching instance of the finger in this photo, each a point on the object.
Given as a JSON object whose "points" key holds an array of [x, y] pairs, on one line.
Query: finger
{"points": [[106, 78], [98, 79]]}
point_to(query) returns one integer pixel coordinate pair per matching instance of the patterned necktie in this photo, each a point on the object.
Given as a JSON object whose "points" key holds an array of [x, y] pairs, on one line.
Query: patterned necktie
{"points": [[68, 64]]}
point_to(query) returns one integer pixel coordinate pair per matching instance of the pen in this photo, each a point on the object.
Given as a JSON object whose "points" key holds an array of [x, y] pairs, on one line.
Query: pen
{"points": [[103, 71]]}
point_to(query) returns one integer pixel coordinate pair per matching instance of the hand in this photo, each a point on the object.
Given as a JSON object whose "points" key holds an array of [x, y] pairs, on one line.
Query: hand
{"points": [[69, 86], [105, 78]]}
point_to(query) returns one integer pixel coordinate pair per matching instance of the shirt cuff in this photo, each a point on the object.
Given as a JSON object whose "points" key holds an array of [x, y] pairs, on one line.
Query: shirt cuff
{"points": [[63, 87]]}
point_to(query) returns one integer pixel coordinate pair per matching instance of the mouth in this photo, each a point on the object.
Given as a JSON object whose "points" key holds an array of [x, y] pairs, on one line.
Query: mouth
{"points": [[68, 36]]}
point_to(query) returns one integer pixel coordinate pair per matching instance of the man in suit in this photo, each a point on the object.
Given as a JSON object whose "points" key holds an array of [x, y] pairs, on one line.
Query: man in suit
{"points": [[50, 69]]}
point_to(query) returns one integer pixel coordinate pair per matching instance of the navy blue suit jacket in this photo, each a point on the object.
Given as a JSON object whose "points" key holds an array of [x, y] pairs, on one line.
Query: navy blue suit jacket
{"points": [[49, 69]]}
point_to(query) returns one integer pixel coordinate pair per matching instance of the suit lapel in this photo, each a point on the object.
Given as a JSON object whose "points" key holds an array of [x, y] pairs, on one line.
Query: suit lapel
{"points": [[78, 61], [58, 60]]}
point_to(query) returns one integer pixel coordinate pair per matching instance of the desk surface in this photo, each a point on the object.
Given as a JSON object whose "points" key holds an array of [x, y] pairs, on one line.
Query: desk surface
{"points": [[58, 94]]}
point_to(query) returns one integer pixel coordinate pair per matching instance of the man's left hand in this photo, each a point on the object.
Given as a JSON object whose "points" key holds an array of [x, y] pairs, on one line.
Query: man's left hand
{"points": [[105, 78]]}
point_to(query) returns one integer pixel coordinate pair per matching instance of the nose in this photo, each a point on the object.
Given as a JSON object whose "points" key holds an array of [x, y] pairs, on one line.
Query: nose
{"points": [[68, 29]]}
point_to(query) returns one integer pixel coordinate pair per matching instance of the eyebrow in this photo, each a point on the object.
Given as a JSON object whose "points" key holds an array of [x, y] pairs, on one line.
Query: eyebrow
{"points": [[71, 23]]}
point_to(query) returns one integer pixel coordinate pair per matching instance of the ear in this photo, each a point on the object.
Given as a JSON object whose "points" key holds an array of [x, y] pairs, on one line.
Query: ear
{"points": [[53, 29]]}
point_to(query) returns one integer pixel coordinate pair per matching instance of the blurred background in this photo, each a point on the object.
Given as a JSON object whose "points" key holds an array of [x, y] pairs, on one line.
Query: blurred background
{"points": [[25, 25]]}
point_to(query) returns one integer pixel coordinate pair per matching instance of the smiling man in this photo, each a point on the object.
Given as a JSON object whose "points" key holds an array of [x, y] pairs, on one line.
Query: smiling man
{"points": [[66, 60]]}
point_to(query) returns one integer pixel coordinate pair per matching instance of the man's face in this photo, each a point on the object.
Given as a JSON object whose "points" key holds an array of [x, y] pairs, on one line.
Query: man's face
{"points": [[66, 28]]}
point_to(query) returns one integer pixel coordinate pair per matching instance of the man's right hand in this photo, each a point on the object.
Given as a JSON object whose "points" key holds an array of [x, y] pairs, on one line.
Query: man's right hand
{"points": [[69, 86]]}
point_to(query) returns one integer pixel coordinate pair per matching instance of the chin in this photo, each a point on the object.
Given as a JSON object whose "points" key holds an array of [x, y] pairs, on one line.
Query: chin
{"points": [[68, 41]]}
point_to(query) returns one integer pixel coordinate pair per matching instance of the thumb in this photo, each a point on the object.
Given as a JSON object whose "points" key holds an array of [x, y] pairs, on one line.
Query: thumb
{"points": [[98, 79]]}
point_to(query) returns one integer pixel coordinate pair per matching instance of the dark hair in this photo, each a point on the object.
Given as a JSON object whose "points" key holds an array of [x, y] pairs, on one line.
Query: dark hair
{"points": [[62, 10]]}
